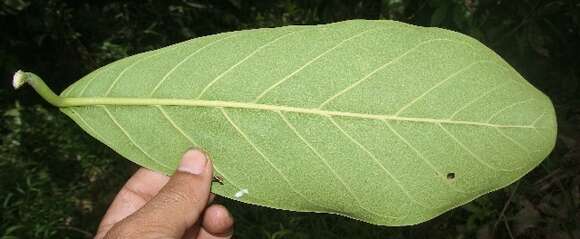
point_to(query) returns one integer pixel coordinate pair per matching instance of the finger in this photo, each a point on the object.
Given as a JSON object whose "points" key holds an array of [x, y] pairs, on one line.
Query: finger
{"points": [[138, 190], [192, 232], [179, 203], [217, 223], [211, 198]]}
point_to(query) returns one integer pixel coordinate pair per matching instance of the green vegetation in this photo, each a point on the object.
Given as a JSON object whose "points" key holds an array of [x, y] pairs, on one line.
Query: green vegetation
{"points": [[56, 181]]}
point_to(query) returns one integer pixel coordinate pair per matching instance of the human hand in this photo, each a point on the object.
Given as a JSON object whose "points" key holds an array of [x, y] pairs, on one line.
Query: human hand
{"points": [[152, 205]]}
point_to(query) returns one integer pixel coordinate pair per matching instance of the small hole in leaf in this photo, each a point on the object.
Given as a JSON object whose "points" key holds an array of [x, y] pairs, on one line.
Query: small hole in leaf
{"points": [[450, 176]]}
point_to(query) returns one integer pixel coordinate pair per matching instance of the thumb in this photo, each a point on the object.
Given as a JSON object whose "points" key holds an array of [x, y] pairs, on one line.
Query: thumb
{"points": [[181, 201]]}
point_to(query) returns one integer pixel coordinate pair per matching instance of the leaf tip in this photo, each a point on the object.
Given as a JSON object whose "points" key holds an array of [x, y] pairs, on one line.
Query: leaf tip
{"points": [[18, 79]]}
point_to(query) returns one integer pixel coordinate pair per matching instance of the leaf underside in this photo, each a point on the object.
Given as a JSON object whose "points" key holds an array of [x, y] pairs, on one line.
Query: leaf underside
{"points": [[379, 121]]}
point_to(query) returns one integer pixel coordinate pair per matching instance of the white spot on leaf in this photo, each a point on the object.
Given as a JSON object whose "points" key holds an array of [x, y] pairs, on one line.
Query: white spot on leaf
{"points": [[241, 193]]}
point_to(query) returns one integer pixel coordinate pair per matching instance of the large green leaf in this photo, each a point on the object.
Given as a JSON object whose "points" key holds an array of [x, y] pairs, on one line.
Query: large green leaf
{"points": [[380, 121]]}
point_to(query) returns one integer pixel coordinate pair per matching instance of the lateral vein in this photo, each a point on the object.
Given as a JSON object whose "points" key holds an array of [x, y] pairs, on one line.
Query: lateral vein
{"points": [[261, 95], [475, 156], [132, 140], [421, 156], [247, 139], [194, 143], [378, 162], [332, 170]]}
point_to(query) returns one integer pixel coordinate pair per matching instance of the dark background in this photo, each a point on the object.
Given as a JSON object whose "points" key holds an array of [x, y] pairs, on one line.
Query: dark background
{"points": [[56, 181]]}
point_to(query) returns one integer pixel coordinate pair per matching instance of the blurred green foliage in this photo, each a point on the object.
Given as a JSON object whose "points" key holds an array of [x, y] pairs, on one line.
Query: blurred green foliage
{"points": [[56, 181]]}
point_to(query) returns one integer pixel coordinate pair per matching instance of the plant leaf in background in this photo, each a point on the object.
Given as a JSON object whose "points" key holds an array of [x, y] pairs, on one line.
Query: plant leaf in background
{"points": [[380, 121]]}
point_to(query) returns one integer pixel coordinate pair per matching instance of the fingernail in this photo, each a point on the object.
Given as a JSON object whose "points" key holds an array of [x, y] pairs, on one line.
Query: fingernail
{"points": [[193, 162]]}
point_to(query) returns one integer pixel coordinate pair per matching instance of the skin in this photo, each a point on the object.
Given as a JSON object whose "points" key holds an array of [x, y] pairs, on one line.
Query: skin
{"points": [[153, 206]]}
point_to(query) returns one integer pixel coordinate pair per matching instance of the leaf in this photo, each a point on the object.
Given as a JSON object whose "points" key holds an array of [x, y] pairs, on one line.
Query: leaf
{"points": [[380, 121]]}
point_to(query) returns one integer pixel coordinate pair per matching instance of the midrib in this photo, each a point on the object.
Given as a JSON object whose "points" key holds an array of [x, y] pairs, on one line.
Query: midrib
{"points": [[90, 101]]}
